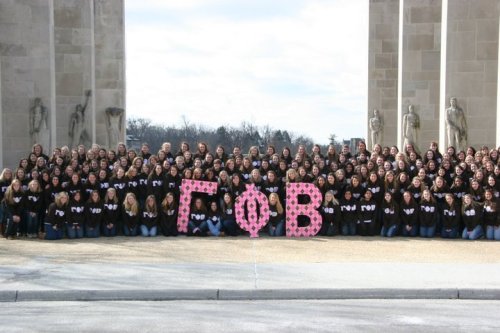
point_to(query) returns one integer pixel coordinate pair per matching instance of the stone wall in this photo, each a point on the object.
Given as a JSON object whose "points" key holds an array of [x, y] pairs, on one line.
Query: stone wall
{"points": [[383, 66], [56, 50], [472, 65], [73, 63], [420, 65], [25, 63], [447, 48], [109, 63]]}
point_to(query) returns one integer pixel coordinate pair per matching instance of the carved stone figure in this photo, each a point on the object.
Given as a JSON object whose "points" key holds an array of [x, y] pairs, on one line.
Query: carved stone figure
{"points": [[114, 124], [77, 126], [411, 124], [456, 126], [376, 127], [39, 127]]}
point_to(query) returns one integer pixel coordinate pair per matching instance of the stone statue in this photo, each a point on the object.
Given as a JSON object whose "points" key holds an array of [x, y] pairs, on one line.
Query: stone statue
{"points": [[39, 127], [77, 127], [376, 127], [456, 126], [411, 124], [114, 124]]}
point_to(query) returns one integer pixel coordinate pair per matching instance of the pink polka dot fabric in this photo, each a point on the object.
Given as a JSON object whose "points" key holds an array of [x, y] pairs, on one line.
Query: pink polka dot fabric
{"points": [[257, 208], [189, 186], [294, 209]]}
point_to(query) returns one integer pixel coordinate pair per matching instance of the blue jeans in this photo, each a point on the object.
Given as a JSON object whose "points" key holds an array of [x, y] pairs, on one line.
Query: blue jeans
{"points": [[148, 232], [214, 228], [230, 227], [109, 232], [349, 228], [203, 227], [411, 233], [390, 231], [476, 233], [427, 232], [449, 233], [32, 223], [130, 231], [91, 232], [279, 230], [51, 233], [74, 232], [12, 228], [492, 233]]}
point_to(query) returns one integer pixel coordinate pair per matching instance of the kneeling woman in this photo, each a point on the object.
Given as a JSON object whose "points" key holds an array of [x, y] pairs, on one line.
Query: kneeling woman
{"points": [[276, 220], [197, 224], [111, 213], [428, 215], [472, 217], [330, 213], [93, 215], [409, 215], [390, 216], [491, 216], [367, 215], [229, 224], [214, 219], [450, 215], [76, 216], [168, 215], [13, 209], [149, 217], [130, 215], [56, 217]]}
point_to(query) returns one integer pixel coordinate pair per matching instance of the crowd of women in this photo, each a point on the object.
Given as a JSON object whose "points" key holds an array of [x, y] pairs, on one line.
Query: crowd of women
{"points": [[98, 192]]}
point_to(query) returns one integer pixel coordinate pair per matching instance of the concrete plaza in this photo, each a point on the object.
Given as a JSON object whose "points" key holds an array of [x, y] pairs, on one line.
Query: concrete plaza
{"points": [[241, 268]]}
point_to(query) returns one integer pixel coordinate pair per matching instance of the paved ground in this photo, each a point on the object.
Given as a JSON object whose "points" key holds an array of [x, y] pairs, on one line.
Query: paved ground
{"points": [[247, 264], [244, 250], [256, 316]]}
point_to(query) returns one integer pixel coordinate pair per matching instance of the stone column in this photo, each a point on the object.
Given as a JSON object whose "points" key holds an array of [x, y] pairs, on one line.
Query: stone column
{"points": [[109, 64], [72, 30], [498, 96], [420, 67], [383, 66], [1, 117], [24, 57], [471, 75]]}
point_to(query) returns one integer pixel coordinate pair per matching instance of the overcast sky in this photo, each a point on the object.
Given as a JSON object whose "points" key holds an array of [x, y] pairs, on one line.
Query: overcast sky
{"points": [[299, 65]]}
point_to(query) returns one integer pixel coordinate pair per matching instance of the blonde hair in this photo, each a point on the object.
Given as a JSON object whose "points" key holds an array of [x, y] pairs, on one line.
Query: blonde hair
{"points": [[334, 200], [59, 196], [34, 181], [4, 171], [115, 198], [279, 208], [154, 209], [290, 171], [9, 193], [134, 208], [165, 205]]}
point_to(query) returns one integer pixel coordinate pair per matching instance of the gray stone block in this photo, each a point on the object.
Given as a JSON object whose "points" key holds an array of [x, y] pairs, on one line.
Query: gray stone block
{"points": [[425, 14], [12, 50], [291, 294], [69, 84], [8, 295], [116, 295]]}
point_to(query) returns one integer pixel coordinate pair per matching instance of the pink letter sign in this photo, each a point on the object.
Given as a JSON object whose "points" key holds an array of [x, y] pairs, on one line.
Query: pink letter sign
{"points": [[294, 209], [256, 220], [187, 187]]}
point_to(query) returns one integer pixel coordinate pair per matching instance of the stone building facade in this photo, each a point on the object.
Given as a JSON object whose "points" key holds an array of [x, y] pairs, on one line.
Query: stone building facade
{"points": [[53, 52], [424, 52]]}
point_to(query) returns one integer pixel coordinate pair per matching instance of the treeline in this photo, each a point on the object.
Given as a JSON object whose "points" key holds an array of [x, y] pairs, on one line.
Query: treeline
{"points": [[244, 136]]}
